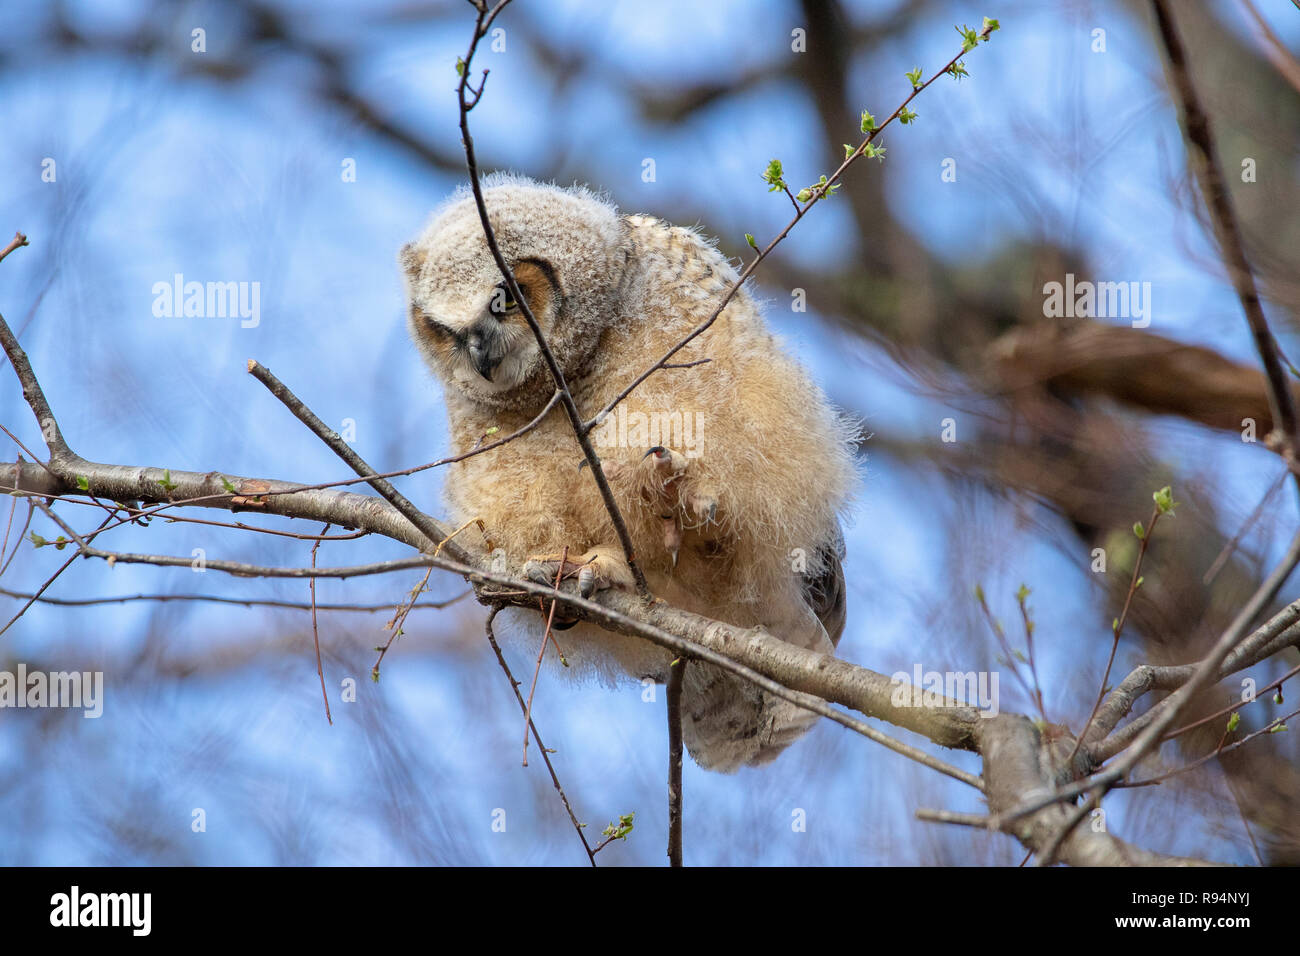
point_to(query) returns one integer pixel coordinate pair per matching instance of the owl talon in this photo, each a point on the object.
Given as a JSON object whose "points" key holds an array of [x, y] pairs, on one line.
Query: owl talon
{"points": [[543, 568], [703, 507], [666, 461], [672, 536], [536, 572], [598, 570], [677, 492]]}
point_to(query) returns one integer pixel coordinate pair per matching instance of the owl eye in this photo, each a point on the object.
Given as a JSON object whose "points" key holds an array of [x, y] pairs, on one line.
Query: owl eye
{"points": [[502, 301], [430, 322]]}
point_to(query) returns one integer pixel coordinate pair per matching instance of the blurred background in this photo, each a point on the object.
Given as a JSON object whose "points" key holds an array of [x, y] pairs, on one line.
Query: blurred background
{"points": [[307, 141]]}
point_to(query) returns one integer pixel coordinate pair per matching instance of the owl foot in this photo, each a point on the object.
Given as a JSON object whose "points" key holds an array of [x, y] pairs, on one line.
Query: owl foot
{"points": [[666, 462], [697, 503], [702, 506], [598, 570], [672, 529]]}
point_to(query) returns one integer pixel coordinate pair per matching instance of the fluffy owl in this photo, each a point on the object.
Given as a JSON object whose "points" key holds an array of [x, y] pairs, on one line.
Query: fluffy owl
{"points": [[732, 475]]}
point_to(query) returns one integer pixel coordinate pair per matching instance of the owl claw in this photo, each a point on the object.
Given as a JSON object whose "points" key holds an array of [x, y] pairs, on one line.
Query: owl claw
{"points": [[666, 460], [672, 536], [543, 569], [597, 570], [703, 506], [678, 497], [536, 572]]}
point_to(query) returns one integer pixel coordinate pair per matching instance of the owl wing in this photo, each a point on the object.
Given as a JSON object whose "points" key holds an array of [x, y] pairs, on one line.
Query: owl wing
{"points": [[824, 594]]}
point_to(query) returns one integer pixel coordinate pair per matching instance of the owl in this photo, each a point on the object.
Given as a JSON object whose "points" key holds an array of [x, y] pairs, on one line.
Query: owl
{"points": [[731, 469]]}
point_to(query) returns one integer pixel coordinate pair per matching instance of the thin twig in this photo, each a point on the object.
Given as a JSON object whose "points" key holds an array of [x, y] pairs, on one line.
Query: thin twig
{"points": [[546, 754], [1219, 751], [1116, 631], [957, 819], [242, 570], [1209, 174], [676, 674], [817, 195], [430, 528], [18, 240], [315, 631], [1022, 599], [546, 639], [63, 567], [398, 621], [1245, 824], [1231, 546], [215, 599], [1232, 708], [1008, 655], [9, 526]]}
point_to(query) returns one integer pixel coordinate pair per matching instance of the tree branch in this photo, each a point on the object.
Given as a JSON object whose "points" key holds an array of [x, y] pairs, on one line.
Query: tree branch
{"points": [[1209, 173]]}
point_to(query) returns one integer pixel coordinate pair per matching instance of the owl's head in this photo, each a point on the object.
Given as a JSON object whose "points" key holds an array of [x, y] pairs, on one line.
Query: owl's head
{"points": [[566, 248]]}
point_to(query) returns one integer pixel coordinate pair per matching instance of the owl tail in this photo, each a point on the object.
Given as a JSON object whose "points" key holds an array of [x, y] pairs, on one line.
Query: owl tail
{"points": [[727, 722]]}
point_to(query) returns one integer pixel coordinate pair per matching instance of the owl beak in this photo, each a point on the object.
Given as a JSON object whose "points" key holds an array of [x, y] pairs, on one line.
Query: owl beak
{"points": [[483, 343]]}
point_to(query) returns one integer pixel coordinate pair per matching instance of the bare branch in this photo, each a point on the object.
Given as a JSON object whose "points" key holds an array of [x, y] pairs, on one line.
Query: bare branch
{"points": [[1209, 174], [33, 394], [546, 754], [217, 599], [17, 241], [431, 529], [315, 630], [676, 674]]}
